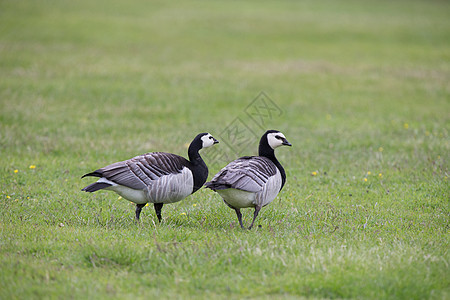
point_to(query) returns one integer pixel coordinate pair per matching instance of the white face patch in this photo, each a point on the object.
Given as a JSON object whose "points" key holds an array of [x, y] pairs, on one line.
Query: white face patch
{"points": [[275, 139], [207, 141]]}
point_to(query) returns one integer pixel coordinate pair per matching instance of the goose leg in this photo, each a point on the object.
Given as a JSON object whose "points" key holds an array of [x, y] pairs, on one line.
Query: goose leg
{"points": [[158, 207], [239, 216], [138, 210], [255, 214]]}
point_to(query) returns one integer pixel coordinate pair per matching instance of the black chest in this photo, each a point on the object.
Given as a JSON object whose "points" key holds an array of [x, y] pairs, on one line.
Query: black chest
{"points": [[200, 174]]}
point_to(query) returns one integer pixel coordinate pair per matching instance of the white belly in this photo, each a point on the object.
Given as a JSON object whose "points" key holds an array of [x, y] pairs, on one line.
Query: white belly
{"points": [[238, 198], [167, 189], [136, 196], [241, 199]]}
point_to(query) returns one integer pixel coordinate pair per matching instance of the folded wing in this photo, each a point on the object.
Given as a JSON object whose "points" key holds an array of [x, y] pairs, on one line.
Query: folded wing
{"points": [[138, 172], [249, 173]]}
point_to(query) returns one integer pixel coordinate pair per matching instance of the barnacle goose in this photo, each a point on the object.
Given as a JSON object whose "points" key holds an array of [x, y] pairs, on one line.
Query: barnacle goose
{"points": [[156, 177], [252, 181]]}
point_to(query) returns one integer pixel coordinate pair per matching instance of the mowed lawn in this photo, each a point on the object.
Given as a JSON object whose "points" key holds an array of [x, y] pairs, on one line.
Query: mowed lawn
{"points": [[360, 88]]}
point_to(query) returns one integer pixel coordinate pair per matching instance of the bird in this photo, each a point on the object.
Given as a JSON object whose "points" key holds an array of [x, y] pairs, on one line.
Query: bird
{"points": [[155, 177], [252, 181]]}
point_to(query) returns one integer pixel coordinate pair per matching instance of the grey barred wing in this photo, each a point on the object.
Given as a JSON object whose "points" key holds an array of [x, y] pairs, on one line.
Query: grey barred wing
{"points": [[249, 173], [138, 172]]}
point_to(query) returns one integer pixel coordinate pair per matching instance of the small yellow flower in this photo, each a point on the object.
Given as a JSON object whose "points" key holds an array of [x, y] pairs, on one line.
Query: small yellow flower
{"points": [[8, 197], [147, 204], [406, 125], [368, 172], [380, 175], [16, 171], [120, 197], [380, 149], [365, 179], [314, 173], [194, 205], [183, 214], [32, 167]]}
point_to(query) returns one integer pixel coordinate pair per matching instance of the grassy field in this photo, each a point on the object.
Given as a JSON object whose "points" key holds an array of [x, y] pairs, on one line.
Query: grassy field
{"points": [[364, 97]]}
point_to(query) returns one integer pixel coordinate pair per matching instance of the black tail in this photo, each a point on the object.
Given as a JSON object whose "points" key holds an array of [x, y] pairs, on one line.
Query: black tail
{"points": [[96, 186], [217, 186]]}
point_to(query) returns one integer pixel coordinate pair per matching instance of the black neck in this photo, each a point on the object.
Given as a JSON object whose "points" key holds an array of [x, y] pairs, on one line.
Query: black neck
{"points": [[267, 151], [198, 166], [194, 156]]}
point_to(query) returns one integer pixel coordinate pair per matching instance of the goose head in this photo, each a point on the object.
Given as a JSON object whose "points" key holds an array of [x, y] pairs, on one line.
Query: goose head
{"points": [[207, 140], [276, 139]]}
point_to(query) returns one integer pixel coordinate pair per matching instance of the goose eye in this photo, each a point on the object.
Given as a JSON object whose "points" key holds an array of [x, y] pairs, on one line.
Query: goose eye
{"points": [[278, 137]]}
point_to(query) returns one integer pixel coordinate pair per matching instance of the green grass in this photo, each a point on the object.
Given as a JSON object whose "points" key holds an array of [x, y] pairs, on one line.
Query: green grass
{"points": [[363, 85]]}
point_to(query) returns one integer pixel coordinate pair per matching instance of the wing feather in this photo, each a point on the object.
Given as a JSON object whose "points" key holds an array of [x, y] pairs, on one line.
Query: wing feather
{"points": [[248, 173], [139, 171]]}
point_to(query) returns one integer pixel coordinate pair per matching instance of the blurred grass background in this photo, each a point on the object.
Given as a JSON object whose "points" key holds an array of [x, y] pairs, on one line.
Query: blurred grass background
{"points": [[364, 89]]}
